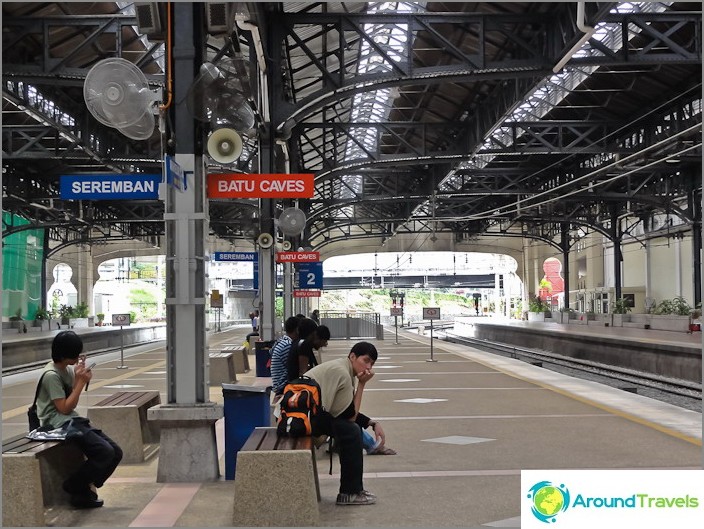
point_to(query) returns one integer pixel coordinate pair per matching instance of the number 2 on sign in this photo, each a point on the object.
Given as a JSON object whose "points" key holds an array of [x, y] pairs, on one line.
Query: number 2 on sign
{"points": [[310, 279]]}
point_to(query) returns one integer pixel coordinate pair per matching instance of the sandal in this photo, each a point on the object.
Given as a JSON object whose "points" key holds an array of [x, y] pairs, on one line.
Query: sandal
{"points": [[384, 451]]}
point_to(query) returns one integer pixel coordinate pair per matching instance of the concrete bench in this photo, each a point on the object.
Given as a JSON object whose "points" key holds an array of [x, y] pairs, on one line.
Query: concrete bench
{"points": [[240, 357], [123, 417], [263, 464], [33, 473], [222, 368]]}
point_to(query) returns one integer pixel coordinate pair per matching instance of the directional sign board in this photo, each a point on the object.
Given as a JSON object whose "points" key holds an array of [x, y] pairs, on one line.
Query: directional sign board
{"points": [[239, 185], [431, 313], [396, 311], [174, 174], [297, 257], [216, 300], [110, 186], [306, 293], [236, 256], [120, 320], [310, 275]]}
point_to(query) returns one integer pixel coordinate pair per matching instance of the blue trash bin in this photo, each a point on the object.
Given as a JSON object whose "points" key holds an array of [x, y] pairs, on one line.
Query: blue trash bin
{"points": [[262, 355], [246, 407]]}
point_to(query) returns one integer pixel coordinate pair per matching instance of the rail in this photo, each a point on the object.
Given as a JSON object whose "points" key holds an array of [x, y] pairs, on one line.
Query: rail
{"points": [[683, 388]]}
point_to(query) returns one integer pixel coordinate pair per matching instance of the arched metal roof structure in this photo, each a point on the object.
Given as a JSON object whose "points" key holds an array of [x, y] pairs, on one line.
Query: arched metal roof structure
{"points": [[450, 120]]}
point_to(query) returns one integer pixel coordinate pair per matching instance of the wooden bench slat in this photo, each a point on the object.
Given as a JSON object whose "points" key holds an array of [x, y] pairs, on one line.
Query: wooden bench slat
{"points": [[267, 439], [128, 398], [11, 444]]}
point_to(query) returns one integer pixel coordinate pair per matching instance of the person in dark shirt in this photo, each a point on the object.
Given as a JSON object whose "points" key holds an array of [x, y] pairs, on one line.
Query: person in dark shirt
{"points": [[302, 358]]}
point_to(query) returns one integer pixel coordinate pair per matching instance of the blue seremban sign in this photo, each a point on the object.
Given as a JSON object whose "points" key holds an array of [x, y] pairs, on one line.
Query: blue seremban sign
{"points": [[310, 275], [110, 187], [236, 256]]}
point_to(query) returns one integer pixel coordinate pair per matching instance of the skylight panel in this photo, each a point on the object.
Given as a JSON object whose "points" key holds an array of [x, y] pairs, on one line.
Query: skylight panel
{"points": [[560, 84]]}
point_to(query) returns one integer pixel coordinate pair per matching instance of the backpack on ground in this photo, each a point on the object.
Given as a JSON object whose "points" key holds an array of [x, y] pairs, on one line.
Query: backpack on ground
{"points": [[301, 402]]}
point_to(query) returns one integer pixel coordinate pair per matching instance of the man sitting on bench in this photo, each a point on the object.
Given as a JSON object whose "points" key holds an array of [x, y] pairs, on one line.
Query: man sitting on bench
{"points": [[56, 404], [343, 421]]}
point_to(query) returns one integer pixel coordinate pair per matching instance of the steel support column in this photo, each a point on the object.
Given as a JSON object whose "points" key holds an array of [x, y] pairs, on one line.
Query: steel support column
{"points": [[188, 451], [565, 246]]}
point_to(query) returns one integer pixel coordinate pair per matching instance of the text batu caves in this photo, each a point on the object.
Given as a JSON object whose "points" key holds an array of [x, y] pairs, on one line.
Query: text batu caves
{"points": [[266, 186], [260, 185]]}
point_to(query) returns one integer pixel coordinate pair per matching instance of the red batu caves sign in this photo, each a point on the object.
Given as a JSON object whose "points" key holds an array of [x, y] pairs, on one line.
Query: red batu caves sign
{"points": [[306, 293], [297, 257], [238, 185]]}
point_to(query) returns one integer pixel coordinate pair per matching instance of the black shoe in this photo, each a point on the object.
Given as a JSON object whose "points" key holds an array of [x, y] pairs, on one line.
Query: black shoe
{"points": [[79, 491], [86, 502]]}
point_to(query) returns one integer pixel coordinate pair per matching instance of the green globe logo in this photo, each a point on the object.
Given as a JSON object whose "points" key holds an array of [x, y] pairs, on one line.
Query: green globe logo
{"points": [[548, 500]]}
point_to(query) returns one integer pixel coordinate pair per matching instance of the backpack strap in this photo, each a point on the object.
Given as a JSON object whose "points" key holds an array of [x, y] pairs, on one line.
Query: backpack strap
{"points": [[67, 389], [330, 450], [39, 387]]}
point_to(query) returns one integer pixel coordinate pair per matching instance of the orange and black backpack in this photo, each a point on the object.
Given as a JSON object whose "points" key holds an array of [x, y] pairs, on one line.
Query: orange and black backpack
{"points": [[301, 401]]}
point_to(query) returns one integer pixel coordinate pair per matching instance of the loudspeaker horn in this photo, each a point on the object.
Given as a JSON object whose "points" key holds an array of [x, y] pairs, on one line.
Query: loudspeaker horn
{"points": [[286, 246], [224, 145], [265, 240]]}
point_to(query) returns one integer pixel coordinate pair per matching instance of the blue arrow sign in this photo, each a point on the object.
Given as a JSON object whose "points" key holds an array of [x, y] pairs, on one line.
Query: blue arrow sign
{"points": [[174, 174], [110, 186]]}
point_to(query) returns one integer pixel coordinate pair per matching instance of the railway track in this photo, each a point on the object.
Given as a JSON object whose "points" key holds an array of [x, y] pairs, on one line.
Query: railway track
{"points": [[682, 393]]}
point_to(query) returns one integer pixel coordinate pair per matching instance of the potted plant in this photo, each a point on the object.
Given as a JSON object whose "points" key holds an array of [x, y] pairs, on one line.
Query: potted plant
{"points": [[100, 317], [16, 320], [565, 315], [672, 315], [80, 316], [42, 319], [66, 312], [537, 309], [619, 308]]}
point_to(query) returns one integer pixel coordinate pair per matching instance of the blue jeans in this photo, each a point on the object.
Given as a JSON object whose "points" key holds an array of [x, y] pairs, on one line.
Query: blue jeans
{"points": [[368, 440]]}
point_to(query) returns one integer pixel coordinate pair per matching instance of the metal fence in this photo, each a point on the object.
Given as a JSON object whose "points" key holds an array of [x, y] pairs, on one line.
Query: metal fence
{"points": [[349, 325]]}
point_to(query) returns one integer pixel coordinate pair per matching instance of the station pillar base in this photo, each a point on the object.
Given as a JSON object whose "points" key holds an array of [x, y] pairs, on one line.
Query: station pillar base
{"points": [[188, 450]]}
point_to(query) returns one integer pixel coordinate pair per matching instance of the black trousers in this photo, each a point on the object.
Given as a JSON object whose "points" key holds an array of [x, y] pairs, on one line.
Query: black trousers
{"points": [[348, 438], [102, 455]]}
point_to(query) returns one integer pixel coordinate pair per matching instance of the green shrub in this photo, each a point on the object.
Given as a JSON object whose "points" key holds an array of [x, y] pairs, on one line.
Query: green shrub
{"points": [[620, 306], [678, 306], [535, 304], [81, 310], [66, 312]]}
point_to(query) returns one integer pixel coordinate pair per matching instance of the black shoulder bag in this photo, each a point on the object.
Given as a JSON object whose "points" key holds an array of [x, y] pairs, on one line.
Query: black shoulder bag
{"points": [[32, 411]]}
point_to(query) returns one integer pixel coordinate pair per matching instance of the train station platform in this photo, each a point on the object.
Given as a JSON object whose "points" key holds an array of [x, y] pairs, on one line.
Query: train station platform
{"points": [[464, 427]]}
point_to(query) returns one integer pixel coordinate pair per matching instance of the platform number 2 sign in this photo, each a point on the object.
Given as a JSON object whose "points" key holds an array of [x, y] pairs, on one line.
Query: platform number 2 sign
{"points": [[310, 275]]}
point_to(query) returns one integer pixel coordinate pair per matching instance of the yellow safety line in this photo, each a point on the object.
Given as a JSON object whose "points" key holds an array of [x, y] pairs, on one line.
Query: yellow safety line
{"points": [[23, 409], [584, 400], [19, 411]]}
